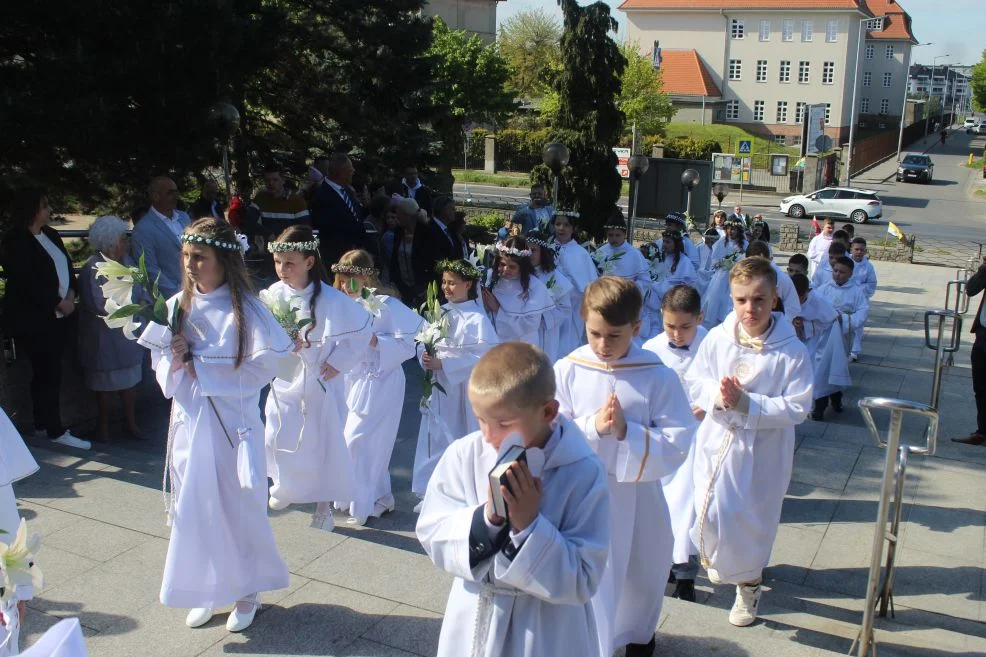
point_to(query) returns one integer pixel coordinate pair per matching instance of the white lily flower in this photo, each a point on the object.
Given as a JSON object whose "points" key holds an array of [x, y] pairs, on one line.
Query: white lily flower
{"points": [[371, 302], [112, 269], [17, 563], [119, 289], [128, 324]]}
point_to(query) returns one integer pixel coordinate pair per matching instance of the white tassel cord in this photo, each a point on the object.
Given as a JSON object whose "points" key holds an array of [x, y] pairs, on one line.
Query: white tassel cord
{"points": [[717, 469]]}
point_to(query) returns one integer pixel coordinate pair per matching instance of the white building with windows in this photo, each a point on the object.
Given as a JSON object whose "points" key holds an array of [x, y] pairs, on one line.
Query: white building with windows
{"points": [[474, 16], [768, 59]]}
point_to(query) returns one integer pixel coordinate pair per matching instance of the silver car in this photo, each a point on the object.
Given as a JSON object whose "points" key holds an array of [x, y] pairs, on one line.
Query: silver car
{"points": [[856, 205]]}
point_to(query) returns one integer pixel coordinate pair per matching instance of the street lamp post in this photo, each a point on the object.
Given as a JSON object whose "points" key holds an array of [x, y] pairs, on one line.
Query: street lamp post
{"points": [[638, 165], [689, 180], [227, 120], [855, 87], [931, 90], [555, 157], [944, 94], [903, 109]]}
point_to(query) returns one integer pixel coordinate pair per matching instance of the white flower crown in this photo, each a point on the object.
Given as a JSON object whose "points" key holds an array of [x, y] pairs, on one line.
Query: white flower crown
{"points": [[509, 250], [353, 270], [284, 247], [566, 213], [544, 244], [241, 244]]}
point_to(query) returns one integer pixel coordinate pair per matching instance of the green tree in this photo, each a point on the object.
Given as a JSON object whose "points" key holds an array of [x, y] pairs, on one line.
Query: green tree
{"points": [[587, 119], [530, 42], [642, 98], [471, 80], [978, 84]]}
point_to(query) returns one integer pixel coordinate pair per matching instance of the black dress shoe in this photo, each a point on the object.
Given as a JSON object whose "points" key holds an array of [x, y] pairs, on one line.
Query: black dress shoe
{"points": [[684, 590], [818, 416], [671, 578], [642, 649], [837, 404]]}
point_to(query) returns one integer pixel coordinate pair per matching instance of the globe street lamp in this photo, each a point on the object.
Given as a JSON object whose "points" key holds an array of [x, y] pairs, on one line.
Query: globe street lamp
{"points": [[638, 166], [555, 157], [689, 180], [227, 119]]}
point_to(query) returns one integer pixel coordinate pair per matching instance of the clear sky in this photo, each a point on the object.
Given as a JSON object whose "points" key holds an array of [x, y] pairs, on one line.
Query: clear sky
{"points": [[955, 27]]}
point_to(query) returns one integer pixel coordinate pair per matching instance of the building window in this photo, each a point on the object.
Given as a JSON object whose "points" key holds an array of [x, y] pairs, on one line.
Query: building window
{"points": [[884, 106], [796, 141], [761, 70], [758, 110], [735, 69], [785, 75], [864, 106], [888, 80], [765, 30], [867, 79], [782, 111], [890, 52], [804, 72], [732, 110], [832, 30], [870, 51], [736, 29], [780, 139], [807, 28], [828, 72], [799, 112], [828, 113], [788, 33]]}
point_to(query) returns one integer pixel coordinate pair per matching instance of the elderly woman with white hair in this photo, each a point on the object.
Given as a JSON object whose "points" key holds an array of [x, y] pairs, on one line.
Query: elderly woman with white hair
{"points": [[110, 362]]}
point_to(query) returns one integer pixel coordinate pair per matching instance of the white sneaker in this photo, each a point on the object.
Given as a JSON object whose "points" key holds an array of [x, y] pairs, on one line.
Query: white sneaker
{"points": [[69, 440], [277, 505], [854, 357], [357, 521], [744, 611], [713, 575], [198, 617], [240, 620], [417, 507]]}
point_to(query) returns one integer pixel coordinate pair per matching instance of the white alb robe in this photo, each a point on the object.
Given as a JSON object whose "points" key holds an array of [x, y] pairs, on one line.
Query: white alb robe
{"points": [[520, 314], [375, 398], [222, 547], [703, 273], [823, 339], [539, 603], [683, 274], [576, 263], [449, 416], [557, 323], [624, 261], [818, 251], [864, 275], [717, 302], [743, 462], [853, 305], [787, 293], [679, 487], [660, 430], [16, 463], [307, 457]]}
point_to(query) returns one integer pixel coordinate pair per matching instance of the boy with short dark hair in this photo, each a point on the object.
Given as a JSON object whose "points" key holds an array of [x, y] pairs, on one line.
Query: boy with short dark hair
{"points": [[753, 378], [797, 264], [818, 248], [636, 417], [823, 273], [864, 275], [818, 328], [851, 302], [522, 583]]}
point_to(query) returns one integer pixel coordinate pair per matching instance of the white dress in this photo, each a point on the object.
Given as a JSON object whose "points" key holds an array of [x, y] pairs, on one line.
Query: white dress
{"points": [[624, 261], [738, 503], [539, 602], [864, 275], [520, 313], [307, 458], [818, 251], [717, 302], [823, 339], [576, 263], [660, 430], [679, 487], [375, 398], [683, 274], [558, 322], [222, 548], [706, 265], [448, 416], [853, 305]]}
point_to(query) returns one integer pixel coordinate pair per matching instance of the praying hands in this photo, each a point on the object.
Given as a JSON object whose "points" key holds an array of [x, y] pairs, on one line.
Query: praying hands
{"points": [[610, 420]]}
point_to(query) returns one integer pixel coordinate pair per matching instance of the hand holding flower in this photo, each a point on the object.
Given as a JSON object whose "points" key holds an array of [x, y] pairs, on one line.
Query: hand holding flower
{"points": [[433, 363]]}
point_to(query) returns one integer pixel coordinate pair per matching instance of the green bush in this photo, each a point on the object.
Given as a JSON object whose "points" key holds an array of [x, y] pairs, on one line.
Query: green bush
{"points": [[491, 221]]}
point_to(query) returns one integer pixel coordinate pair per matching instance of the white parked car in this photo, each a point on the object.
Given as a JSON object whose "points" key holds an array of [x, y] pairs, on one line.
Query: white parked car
{"points": [[857, 205], [970, 122]]}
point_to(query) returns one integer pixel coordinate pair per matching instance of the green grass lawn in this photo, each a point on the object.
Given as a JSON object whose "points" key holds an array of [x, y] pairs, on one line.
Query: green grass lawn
{"points": [[976, 164], [505, 179], [728, 136]]}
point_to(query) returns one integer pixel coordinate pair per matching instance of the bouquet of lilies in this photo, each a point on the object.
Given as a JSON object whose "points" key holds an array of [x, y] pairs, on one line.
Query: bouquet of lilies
{"points": [[728, 261], [606, 264], [556, 292], [289, 313], [17, 567], [428, 337], [367, 298], [121, 310]]}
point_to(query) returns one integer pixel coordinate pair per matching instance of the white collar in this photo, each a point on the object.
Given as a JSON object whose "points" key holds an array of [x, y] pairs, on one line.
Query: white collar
{"points": [[174, 216]]}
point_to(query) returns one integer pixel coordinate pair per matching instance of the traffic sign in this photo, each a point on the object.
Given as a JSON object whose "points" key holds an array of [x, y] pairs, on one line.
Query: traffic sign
{"points": [[745, 147]]}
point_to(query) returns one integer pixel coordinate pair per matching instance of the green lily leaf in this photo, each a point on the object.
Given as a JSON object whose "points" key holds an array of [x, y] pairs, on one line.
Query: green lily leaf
{"points": [[127, 311]]}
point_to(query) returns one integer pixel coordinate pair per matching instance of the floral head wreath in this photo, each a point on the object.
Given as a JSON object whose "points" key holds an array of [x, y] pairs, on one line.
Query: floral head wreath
{"points": [[567, 213], [673, 233], [544, 244], [712, 232], [284, 247], [241, 244], [676, 217], [733, 222], [615, 226], [460, 267], [513, 251], [353, 270]]}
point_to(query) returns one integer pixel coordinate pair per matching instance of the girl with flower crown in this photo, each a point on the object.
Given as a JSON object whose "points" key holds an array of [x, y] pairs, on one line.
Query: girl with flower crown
{"points": [[447, 416], [514, 298], [576, 263], [307, 457], [730, 248], [374, 387], [678, 268], [222, 348], [557, 331]]}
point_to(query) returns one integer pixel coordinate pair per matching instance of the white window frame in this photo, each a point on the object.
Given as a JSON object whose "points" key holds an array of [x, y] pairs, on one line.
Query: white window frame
{"points": [[758, 108], [732, 110], [807, 31], [828, 113], [781, 111], [870, 51], [888, 80], [762, 70], [784, 73], [780, 140], [885, 106], [828, 72], [864, 106], [867, 79], [890, 51], [765, 30], [735, 69], [796, 141], [737, 28], [832, 30], [787, 32], [799, 111], [804, 72]]}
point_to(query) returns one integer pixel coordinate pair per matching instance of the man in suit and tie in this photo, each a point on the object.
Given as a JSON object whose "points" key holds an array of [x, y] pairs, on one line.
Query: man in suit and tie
{"points": [[738, 215], [413, 188], [335, 211], [975, 285], [156, 235], [444, 240]]}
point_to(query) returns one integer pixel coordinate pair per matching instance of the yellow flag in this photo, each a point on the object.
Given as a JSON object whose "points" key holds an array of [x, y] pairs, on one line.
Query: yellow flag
{"points": [[893, 230]]}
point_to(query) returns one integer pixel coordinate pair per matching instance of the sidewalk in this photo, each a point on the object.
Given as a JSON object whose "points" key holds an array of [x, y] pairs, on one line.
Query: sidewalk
{"points": [[372, 592]]}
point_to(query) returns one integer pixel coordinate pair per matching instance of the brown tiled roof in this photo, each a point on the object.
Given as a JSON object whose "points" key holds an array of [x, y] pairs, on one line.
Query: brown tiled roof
{"points": [[741, 4], [684, 74], [896, 25]]}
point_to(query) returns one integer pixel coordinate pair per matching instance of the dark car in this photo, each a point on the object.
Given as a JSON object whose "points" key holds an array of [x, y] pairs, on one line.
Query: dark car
{"points": [[916, 167]]}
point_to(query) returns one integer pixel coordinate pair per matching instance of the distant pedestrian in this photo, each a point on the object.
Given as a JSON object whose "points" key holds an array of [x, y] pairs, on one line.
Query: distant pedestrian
{"points": [[536, 215]]}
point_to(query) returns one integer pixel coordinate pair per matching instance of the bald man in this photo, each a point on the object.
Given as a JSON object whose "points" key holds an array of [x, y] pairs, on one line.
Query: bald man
{"points": [[156, 235], [336, 213]]}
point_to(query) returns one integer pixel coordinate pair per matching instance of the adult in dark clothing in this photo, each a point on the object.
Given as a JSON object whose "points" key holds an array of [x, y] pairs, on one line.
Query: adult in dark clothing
{"points": [[335, 210], [40, 295], [412, 187], [208, 204], [975, 285], [412, 263], [446, 241]]}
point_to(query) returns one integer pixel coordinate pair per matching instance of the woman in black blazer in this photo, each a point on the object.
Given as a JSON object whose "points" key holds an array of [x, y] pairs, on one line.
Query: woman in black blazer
{"points": [[412, 262], [40, 294]]}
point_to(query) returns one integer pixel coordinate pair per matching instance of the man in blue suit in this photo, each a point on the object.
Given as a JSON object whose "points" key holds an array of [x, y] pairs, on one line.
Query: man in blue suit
{"points": [[156, 235]]}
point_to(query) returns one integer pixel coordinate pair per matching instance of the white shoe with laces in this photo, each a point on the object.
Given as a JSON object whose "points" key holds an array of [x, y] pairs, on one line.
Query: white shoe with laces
{"points": [[744, 611], [69, 440], [242, 615], [198, 617], [277, 505]]}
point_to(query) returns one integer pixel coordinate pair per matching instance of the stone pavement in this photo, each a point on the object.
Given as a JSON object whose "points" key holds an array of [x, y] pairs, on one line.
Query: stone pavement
{"points": [[372, 592]]}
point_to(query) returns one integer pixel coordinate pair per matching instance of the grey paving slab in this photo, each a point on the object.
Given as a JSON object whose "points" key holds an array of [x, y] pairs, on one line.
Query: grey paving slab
{"points": [[60, 566], [794, 551], [959, 533], [96, 540], [367, 648], [408, 628], [827, 464], [809, 507], [44, 520], [298, 542], [939, 583], [115, 501]]}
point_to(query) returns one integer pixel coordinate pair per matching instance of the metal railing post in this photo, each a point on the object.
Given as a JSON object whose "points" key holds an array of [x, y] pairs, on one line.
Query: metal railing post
{"points": [[941, 347]]}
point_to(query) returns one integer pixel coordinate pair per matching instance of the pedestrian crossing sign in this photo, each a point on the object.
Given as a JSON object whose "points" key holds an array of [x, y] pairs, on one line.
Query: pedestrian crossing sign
{"points": [[745, 147]]}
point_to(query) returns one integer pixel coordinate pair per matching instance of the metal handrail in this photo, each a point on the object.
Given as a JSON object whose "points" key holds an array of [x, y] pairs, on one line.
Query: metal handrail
{"points": [[961, 301], [940, 347]]}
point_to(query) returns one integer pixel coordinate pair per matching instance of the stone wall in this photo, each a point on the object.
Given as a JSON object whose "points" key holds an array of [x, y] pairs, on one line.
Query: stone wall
{"points": [[794, 240]]}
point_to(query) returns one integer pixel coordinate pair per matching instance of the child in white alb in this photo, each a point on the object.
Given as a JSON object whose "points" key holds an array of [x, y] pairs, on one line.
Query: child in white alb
{"points": [[617, 257], [818, 247], [716, 303], [578, 266], [864, 276], [850, 301], [515, 299], [557, 330]]}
